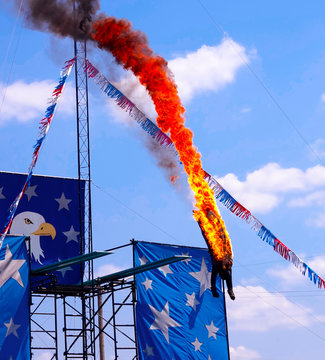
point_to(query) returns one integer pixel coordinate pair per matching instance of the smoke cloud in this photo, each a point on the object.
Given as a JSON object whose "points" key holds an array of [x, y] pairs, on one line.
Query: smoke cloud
{"points": [[165, 160], [59, 17]]}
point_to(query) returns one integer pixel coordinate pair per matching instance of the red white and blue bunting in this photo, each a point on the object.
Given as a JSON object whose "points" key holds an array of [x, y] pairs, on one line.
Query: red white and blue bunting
{"points": [[43, 130], [124, 103], [219, 192], [264, 233]]}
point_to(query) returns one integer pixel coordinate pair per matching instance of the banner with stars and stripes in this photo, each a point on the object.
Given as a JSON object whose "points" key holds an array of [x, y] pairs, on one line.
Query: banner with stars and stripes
{"points": [[177, 317], [14, 285], [49, 213]]}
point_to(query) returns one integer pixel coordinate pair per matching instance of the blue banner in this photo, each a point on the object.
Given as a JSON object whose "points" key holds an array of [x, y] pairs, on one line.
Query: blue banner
{"points": [[14, 285], [49, 213], [176, 315]]}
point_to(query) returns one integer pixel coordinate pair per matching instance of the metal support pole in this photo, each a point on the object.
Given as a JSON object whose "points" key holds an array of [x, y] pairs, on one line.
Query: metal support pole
{"points": [[134, 301], [226, 323], [30, 297], [100, 326], [65, 329], [114, 322], [56, 325]]}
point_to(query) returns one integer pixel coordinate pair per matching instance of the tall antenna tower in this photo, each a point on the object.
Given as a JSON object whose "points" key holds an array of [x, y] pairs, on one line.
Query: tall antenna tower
{"points": [[86, 315], [82, 110]]}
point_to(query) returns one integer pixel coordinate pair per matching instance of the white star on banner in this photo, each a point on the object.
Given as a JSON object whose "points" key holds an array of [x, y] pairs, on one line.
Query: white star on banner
{"points": [[197, 345], [12, 328], [71, 235], [63, 202], [203, 276], [186, 260], [9, 268], [148, 351], [191, 301], [165, 270], [147, 284], [162, 320], [65, 269], [30, 192], [143, 260], [1, 194], [212, 330]]}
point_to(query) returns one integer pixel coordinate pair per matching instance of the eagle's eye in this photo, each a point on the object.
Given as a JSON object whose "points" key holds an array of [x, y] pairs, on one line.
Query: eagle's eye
{"points": [[27, 221]]}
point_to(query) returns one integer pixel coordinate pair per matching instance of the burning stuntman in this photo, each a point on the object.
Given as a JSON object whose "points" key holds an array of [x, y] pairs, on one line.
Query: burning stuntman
{"points": [[221, 267]]}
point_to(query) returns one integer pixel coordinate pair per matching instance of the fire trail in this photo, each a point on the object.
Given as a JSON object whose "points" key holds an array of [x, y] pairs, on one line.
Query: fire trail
{"points": [[131, 49]]}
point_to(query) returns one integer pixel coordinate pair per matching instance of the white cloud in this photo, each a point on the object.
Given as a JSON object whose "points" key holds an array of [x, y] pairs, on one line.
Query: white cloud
{"points": [[322, 97], [256, 309], [246, 109], [208, 69], [318, 220], [107, 269], [315, 198], [44, 356], [132, 88], [137, 93], [242, 353], [289, 275], [318, 146], [24, 102], [318, 265], [265, 188]]}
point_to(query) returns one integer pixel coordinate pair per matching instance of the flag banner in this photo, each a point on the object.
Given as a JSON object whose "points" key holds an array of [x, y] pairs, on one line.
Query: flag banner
{"points": [[49, 213], [177, 317], [14, 299], [44, 127]]}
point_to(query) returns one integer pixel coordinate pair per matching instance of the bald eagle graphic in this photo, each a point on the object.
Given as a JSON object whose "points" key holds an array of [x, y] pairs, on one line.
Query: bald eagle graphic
{"points": [[34, 225]]}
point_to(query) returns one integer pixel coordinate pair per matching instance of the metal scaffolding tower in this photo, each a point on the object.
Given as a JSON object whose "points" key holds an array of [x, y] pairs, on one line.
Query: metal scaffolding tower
{"points": [[112, 321], [57, 307], [86, 245], [78, 304]]}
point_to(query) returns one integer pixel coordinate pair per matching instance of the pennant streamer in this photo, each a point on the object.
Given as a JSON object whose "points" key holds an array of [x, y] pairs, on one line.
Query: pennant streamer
{"points": [[219, 192], [124, 103], [43, 129], [265, 234]]}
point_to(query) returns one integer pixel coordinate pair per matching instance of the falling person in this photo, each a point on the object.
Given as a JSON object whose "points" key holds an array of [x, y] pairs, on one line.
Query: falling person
{"points": [[222, 267]]}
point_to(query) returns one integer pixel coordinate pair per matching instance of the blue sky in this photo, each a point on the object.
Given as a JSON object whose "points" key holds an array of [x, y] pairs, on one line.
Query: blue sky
{"points": [[227, 58]]}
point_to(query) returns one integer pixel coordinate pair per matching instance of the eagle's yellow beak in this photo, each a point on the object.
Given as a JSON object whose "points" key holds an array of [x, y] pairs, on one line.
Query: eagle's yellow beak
{"points": [[45, 229]]}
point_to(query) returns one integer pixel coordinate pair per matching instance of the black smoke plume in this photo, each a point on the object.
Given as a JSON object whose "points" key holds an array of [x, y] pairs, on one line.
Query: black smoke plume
{"points": [[61, 17]]}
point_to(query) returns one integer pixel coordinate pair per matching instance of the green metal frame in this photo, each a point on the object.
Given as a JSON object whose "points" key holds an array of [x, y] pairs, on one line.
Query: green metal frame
{"points": [[136, 270], [68, 262]]}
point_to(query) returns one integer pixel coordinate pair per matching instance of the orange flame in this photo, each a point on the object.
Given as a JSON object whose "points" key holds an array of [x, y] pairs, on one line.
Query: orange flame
{"points": [[131, 49]]}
